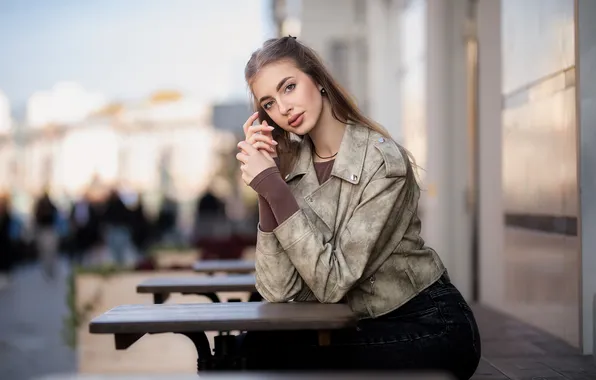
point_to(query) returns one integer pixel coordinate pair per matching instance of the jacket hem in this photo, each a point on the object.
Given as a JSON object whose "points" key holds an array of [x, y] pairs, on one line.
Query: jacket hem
{"points": [[395, 307]]}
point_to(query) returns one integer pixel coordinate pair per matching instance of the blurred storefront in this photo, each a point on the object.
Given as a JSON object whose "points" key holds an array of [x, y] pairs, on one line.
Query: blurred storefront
{"points": [[540, 258], [162, 146]]}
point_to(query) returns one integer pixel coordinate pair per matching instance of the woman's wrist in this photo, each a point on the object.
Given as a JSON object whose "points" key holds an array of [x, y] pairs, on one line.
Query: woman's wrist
{"points": [[272, 188], [259, 183]]}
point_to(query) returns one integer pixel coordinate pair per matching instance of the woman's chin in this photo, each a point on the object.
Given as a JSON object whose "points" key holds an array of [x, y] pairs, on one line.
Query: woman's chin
{"points": [[303, 130]]}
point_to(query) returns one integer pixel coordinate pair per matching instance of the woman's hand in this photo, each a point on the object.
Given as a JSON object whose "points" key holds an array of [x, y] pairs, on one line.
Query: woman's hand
{"points": [[253, 161], [259, 136]]}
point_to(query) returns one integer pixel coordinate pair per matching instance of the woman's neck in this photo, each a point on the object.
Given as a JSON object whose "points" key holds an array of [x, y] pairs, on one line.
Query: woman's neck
{"points": [[326, 136]]}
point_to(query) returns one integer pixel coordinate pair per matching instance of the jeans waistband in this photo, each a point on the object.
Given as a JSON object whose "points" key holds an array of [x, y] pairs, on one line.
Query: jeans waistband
{"points": [[444, 279]]}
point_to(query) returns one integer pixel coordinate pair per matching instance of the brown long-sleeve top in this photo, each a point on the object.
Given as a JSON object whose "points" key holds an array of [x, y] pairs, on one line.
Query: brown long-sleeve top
{"points": [[276, 201]]}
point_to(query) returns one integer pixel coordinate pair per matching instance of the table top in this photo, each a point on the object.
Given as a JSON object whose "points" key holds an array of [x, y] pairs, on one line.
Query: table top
{"points": [[199, 284], [229, 266], [269, 375], [228, 316]]}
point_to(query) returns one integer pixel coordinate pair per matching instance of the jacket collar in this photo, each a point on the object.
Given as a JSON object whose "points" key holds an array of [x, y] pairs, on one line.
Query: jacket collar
{"points": [[349, 160]]}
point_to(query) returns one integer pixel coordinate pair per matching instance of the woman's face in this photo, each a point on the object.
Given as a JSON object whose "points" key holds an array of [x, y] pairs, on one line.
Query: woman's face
{"points": [[289, 96]]}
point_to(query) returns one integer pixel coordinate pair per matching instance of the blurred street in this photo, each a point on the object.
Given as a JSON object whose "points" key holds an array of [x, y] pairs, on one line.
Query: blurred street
{"points": [[30, 346]]}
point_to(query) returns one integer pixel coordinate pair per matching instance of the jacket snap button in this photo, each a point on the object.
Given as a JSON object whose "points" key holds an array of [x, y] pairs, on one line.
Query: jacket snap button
{"points": [[308, 199], [354, 177]]}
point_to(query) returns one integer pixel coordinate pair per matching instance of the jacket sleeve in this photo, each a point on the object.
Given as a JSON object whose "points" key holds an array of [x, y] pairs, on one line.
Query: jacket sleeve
{"points": [[331, 271], [277, 280]]}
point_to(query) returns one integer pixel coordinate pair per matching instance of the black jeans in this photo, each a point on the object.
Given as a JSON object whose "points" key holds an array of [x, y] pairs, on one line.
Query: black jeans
{"points": [[435, 330]]}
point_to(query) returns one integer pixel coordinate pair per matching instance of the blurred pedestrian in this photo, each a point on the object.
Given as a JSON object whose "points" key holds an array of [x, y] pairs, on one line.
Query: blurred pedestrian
{"points": [[7, 240], [116, 220], [84, 222], [46, 234]]}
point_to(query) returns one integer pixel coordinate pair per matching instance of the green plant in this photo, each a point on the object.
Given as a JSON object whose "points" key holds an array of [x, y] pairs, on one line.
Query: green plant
{"points": [[77, 316], [172, 246]]}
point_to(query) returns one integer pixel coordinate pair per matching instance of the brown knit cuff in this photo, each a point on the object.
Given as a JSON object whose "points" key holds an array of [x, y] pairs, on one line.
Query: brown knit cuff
{"points": [[258, 180], [270, 186], [267, 221]]}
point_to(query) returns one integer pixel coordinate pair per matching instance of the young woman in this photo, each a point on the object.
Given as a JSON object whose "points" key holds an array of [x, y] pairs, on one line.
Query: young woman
{"points": [[338, 223]]}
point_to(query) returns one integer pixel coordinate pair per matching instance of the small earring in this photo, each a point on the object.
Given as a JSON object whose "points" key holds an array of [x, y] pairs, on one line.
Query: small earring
{"points": [[323, 91]]}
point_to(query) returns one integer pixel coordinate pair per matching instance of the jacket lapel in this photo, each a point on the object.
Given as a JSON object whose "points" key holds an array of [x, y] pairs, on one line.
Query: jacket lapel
{"points": [[323, 202]]}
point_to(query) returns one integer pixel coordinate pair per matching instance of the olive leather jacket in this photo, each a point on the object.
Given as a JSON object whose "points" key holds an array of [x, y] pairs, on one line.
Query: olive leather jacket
{"points": [[356, 237]]}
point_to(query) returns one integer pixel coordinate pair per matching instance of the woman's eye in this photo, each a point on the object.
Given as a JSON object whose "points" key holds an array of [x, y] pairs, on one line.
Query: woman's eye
{"points": [[290, 87], [267, 105]]}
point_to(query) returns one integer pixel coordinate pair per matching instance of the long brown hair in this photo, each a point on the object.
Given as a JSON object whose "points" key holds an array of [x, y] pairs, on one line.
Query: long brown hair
{"points": [[343, 107]]}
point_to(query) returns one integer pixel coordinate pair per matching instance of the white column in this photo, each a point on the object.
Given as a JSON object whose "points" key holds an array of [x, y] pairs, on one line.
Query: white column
{"points": [[586, 100], [447, 220], [491, 229], [383, 67], [394, 111]]}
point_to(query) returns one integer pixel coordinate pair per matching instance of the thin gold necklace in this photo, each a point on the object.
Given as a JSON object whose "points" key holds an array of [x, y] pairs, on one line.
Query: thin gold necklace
{"points": [[325, 158]]}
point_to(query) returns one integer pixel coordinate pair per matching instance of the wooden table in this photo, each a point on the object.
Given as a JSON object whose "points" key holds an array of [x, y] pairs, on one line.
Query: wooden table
{"points": [[161, 288], [269, 375], [128, 323], [227, 266]]}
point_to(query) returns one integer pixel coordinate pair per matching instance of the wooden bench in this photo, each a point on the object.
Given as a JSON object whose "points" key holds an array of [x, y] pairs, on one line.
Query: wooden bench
{"points": [[227, 266], [128, 323], [161, 288]]}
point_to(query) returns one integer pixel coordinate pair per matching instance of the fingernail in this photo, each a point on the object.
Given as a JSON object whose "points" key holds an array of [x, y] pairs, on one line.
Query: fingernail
{"points": [[273, 142], [270, 127]]}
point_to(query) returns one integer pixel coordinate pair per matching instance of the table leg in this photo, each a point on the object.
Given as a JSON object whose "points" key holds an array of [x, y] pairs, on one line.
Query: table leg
{"points": [[225, 357], [227, 353], [204, 357], [212, 296], [255, 297], [324, 337], [159, 298]]}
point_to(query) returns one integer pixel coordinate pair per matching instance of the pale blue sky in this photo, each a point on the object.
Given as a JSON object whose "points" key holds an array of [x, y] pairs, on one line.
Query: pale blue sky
{"points": [[129, 48]]}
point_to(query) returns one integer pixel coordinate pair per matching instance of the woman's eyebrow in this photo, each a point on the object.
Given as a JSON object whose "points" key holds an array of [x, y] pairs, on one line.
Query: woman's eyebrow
{"points": [[281, 83]]}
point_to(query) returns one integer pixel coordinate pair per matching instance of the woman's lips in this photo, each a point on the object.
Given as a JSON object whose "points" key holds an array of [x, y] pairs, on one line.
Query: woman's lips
{"points": [[297, 120]]}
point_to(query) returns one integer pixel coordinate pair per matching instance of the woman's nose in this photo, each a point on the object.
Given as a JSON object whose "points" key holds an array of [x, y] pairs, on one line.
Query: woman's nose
{"points": [[284, 109]]}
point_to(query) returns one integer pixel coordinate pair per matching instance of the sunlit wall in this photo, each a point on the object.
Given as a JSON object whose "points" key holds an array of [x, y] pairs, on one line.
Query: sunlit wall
{"points": [[540, 258], [413, 79]]}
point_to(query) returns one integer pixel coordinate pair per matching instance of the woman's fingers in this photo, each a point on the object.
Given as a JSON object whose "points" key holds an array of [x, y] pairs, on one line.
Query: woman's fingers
{"points": [[259, 136], [262, 138], [262, 128], [249, 122], [247, 148], [242, 157], [263, 146]]}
